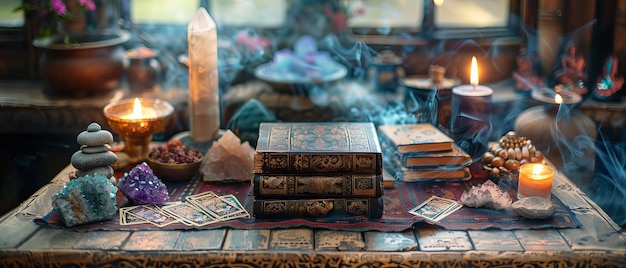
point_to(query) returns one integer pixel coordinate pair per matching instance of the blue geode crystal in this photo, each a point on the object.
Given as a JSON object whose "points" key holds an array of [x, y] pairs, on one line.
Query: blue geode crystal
{"points": [[141, 186], [86, 199]]}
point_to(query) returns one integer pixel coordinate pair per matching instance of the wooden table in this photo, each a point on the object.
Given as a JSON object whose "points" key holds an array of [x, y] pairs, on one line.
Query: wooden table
{"points": [[599, 242]]}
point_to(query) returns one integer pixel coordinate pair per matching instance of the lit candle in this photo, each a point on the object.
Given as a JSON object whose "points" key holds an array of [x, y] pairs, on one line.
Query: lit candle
{"points": [[558, 99], [204, 122], [535, 180], [140, 112], [136, 121], [471, 114]]}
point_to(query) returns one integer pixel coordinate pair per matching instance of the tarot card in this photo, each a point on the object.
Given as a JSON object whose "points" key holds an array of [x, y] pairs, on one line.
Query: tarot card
{"points": [[448, 211], [206, 194], [433, 207], [129, 219], [214, 205], [233, 200], [189, 214], [151, 214]]}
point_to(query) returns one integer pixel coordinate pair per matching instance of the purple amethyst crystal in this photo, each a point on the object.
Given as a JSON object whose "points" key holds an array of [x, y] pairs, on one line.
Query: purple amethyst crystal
{"points": [[141, 186]]}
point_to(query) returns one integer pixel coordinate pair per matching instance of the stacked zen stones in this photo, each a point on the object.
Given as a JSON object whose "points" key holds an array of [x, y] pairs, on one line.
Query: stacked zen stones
{"points": [[94, 156]]}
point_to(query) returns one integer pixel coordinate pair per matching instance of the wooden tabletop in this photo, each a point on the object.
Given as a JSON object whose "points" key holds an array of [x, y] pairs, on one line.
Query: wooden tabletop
{"points": [[599, 242]]}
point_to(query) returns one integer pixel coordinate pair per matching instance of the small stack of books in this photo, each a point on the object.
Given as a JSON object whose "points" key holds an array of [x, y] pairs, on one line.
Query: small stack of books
{"points": [[422, 152], [315, 170]]}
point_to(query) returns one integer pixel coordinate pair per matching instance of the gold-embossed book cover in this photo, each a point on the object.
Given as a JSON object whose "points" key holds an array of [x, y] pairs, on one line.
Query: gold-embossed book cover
{"points": [[420, 137], [318, 147], [286, 186]]}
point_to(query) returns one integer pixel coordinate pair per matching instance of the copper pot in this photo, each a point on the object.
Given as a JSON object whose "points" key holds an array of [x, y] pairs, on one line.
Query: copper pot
{"points": [[83, 64]]}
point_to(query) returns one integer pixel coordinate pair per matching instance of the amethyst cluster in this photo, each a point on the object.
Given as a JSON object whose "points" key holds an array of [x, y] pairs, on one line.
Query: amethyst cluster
{"points": [[141, 186]]}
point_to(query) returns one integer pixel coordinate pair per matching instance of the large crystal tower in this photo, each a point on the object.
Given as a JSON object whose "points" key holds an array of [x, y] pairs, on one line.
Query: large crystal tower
{"points": [[203, 77]]}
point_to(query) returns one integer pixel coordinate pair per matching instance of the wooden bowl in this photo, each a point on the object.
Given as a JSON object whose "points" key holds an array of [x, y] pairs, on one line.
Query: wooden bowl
{"points": [[174, 172]]}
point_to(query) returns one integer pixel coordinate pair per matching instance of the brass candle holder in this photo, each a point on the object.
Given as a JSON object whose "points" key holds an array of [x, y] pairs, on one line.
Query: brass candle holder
{"points": [[137, 120]]}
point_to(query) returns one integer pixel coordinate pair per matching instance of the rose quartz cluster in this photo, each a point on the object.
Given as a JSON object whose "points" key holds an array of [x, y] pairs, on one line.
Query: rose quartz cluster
{"points": [[228, 160]]}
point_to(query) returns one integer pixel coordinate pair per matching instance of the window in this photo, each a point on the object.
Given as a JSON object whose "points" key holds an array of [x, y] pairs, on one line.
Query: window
{"points": [[431, 19], [258, 13], [163, 11], [378, 14], [471, 14], [8, 18]]}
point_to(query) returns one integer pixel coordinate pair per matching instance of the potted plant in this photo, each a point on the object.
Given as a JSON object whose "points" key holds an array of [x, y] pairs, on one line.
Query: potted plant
{"points": [[81, 46]]}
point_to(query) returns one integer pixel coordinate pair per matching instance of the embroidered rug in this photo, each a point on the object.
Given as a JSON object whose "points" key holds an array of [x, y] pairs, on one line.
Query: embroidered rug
{"points": [[397, 202]]}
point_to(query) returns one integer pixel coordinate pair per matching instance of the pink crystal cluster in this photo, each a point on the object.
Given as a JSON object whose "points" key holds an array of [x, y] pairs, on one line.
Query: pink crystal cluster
{"points": [[487, 195], [228, 160], [141, 186]]}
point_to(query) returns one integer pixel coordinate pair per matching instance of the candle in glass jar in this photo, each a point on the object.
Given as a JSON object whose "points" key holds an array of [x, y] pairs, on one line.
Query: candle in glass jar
{"points": [[140, 112], [535, 180]]}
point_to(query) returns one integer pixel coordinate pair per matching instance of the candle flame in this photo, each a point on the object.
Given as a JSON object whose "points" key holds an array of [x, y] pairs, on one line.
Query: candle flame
{"points": [[137, 108], [537, 169], [438, 2], [474, 72], [558, 99]]}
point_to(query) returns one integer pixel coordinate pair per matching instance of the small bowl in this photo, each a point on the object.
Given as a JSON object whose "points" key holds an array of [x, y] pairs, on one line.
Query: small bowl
{"points": [[174, 172]]}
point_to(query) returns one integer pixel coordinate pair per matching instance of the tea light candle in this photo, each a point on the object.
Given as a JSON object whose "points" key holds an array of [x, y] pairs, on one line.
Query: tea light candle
{"points": [[140, 112], [535, 180]]}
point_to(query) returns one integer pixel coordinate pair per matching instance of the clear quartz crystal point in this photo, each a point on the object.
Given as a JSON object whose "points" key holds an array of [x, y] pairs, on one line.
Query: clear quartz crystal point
{"points": [[203, 77]]}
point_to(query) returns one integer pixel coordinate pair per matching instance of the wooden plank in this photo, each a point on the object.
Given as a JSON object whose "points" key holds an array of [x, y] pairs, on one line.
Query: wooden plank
{"points": [[15, 231], [201, 239], [594, 234], [541, 240], [434, 239], [47, 238], [102, 240], [338, 240], [495, 240], [151, 240], [394, 241], [291, 239], [237, 239]]}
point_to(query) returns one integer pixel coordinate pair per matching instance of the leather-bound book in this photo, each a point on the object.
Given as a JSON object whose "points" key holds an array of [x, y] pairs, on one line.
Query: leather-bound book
{"points": [[318, 147]]}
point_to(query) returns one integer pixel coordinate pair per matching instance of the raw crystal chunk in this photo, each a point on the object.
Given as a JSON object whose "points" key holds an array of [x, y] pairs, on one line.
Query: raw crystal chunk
{"points": [[487, 195], [533, 207], [228, 160], [141, 186], [86, 199]]}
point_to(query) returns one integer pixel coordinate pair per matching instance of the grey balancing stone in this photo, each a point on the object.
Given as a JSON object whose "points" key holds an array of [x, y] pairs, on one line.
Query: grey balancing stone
{"points": [[106, 171], [95, 149], [533, 207], [94, 138], [83, 161]]}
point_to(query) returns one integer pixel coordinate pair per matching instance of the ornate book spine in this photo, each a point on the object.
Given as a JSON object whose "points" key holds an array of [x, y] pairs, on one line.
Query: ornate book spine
{"points": [[307, 163], [318, 208], [317, 186]]}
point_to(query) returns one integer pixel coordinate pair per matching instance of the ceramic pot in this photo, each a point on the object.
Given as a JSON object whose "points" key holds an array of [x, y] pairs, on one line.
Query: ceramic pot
{"points": [[87, 65]]}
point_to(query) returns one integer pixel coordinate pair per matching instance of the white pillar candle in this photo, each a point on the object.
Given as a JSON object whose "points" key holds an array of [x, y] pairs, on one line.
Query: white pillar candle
{"points": [[203, 77]]}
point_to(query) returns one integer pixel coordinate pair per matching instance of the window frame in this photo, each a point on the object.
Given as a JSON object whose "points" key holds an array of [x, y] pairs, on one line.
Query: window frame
{"points": [[428, 33]]}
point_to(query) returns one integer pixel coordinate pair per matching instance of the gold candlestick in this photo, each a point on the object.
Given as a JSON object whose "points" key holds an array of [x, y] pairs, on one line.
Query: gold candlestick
{"points": [[136, 120]]}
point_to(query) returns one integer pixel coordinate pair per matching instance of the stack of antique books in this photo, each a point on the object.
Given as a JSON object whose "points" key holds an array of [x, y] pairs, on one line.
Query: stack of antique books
{"points": [[315, 170], [421, 152]]}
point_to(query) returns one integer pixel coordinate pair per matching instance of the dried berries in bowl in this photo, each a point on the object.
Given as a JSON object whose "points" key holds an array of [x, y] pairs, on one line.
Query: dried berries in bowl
{"points": [[174, 161]]}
